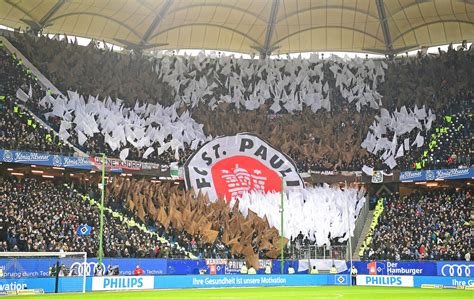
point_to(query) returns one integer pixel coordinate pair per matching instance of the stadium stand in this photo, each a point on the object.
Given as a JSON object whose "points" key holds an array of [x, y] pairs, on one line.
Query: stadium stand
{"points": [[42, 215], [425, 225], [171, 146], [317, 141]]}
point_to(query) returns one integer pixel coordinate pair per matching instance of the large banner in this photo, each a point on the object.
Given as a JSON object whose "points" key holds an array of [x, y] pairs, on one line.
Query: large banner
{"points": [[233, 281], [228, 166], [117, 165], [441, 174], [75, 284], [39, 267], [86, 163], [396, 268], [385, 280], [121, 283], [44, 159], [65, 284], [456, 269]]}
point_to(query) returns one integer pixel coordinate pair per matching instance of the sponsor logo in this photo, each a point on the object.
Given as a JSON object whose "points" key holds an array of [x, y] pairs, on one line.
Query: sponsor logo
{"points": [[31, 157], [375, 268], [89, 268], [377, 177], [385, 280], [7, 156], [446, 173], [234, 266], [57, 161], [216, 261], [229, 166], [408, 175], [116, 164], [457, 269], [13, 286], [73, 161], [122, 283], [340, 279], [395, 269], [430, 175]]}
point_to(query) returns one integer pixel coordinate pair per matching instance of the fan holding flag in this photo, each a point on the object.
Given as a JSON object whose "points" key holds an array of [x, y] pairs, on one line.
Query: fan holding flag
{"points": [[83, 230]]}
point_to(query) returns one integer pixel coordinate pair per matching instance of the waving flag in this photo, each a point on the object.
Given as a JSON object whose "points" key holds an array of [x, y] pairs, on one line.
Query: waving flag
{"points": [[84, 230]]}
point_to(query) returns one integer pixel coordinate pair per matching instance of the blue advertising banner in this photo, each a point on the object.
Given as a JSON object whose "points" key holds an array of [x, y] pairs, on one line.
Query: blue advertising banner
{"points": [[39, 267], [456, 269], [45, 159], [185, 267], [411, 268], [444, 281], [431, 175], [225, 281], [395, 268], [65, 284], [75, 284], [364, 268], [86, 163]]}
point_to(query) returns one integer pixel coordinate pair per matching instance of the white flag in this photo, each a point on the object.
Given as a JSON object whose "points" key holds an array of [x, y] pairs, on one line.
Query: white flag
{"points": [[124, 154], [81, 138], [21, 95], [419, 140], [391, 162], [148, 152], [406, 142], [400, 152], [367, 170]]}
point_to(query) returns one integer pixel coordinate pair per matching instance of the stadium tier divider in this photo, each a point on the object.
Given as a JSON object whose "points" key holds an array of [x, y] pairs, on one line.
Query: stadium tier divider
{"points": [[368, 239]]}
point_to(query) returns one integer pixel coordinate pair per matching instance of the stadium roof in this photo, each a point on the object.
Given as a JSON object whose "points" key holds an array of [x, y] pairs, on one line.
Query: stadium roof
{"points": [[246, 26]]}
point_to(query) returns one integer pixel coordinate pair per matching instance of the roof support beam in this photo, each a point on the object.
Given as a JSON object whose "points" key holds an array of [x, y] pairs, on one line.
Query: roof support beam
{"points": [[44, 20], [267, 49], [383, 22], [156, 22], [37, 26]]}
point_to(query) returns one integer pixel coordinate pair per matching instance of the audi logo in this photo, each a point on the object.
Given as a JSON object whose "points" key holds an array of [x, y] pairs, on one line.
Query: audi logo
{"points": [[456, 270], [81, 266]]}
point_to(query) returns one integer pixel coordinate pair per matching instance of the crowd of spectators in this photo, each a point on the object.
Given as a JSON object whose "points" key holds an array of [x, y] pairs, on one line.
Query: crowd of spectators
{"points": [[18, 128], [44, 215], [19, 131], [41, 215], [425, 225], [316, 141]]}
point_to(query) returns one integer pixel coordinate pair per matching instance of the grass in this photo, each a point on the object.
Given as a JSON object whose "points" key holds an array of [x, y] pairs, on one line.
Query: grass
{"points": [[275, 292]]}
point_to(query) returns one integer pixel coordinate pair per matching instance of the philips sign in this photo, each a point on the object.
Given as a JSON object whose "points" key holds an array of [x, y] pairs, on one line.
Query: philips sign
{"points": [[385, 280], [122, 283]]}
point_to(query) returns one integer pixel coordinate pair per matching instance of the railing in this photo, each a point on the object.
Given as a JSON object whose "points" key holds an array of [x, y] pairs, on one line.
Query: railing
{"points": [[336, 252], [359, 225]]}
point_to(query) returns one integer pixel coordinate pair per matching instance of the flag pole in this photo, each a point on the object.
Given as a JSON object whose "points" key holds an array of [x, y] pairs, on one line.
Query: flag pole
{"points": [[101, 252], [282, 264], [350, 238]]}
